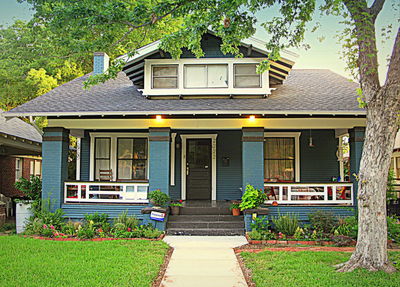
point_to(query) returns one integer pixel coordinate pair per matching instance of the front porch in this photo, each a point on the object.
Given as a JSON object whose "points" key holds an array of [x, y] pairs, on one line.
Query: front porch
{"points": [[213, 165]]}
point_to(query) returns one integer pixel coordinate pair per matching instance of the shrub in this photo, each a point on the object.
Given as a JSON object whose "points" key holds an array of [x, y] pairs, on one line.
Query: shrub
{"points": [[299, 233], [32, 188], [393, 228], [158, 198], [7, 227], [347, 227], [86, 232], [260, 224], [286, 224], [252, 198], [151, 233], [128, 221], [323, 221], [261, 235], [97, 219], [342, 240]]}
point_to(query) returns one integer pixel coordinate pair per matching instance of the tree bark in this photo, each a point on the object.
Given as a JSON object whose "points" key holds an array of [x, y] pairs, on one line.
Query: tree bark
{"points": [[371, 249]]}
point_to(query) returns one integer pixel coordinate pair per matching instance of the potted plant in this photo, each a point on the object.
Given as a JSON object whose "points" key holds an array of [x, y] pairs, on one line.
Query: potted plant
{"points": [[235, 209], [252, 198], [175, 208], [27, 207], [158, 198]]}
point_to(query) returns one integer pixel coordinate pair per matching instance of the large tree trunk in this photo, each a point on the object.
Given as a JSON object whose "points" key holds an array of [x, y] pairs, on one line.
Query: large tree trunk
{"points": [[371, 249]]}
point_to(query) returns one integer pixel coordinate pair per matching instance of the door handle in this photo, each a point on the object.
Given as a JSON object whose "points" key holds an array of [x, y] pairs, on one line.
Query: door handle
{"points": [[187, 170], [206, 166]]}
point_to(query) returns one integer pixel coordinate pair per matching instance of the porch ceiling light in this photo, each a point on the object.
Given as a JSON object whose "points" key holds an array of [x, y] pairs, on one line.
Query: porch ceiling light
{"points": [[158, 117], [252, 117]]}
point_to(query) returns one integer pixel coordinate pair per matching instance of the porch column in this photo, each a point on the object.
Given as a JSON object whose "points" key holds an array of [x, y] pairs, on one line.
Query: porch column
{"points": [[159, 156], [54, 165], [253, 157], [356, 139]]}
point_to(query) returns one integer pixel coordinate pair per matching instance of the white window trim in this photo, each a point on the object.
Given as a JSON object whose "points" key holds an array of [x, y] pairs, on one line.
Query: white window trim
{"points": [[172, 160], [230, 90], [113, 150], [213, 138], [296, 136], [18, 169]]}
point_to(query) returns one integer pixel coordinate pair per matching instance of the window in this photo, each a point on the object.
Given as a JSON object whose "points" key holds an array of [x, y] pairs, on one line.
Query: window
{"points": [[18, 168], [246, 76], [206, 76], [132, 158], [165, 76], [102, 155], [35, 168], [279, 159]]}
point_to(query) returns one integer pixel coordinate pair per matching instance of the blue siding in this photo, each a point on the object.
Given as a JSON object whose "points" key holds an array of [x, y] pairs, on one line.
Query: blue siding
{"points": [[159, 162], [253, 161], [318, 163], [85, 157], [78, 211], [54, 165]]}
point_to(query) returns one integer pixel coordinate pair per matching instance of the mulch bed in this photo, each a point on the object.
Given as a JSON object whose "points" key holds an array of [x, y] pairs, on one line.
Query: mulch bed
{"points": [[246, 271], [95, 239], [163, 268]]}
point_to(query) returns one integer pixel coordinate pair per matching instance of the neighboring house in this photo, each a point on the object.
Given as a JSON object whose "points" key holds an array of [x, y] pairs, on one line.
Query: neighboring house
{"points": [[20, 154], [201, 129]]}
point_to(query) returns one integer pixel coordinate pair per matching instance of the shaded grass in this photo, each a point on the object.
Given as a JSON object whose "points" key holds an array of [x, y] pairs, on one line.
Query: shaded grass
{"points": [[33, 262], [308, 268]]}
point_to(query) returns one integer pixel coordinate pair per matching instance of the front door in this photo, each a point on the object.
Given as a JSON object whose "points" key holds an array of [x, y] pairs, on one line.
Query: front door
{"points": [[198, 169]]}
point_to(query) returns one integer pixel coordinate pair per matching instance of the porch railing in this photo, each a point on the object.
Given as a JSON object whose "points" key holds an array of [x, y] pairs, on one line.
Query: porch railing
{"points": [[309, 193], [107, 192]]}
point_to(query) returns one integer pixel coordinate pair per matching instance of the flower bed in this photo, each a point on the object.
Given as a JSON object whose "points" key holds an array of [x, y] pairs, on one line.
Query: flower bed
{"points": [[290, 242], [95, 239]]}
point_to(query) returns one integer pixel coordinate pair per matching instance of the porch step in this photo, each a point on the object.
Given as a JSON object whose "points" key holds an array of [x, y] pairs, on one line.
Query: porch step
{"points": [[205, 211], [206, 224], [205, 231], [206, 218]]}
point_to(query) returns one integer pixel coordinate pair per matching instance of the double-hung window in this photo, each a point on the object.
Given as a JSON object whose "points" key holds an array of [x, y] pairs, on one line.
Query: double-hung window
{"points": [[279, 159], [18, 168], [102, 156], [132, 158], [206, 76], [246, 76], [165, 76]]}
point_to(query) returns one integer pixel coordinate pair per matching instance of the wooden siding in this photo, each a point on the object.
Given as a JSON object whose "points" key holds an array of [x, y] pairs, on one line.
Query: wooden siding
{"points": [[78, 211]]}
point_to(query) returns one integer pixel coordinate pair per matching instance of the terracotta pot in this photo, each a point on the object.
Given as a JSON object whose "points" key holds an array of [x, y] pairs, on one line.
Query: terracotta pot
{"points": [[235, 211], [175, 210]]}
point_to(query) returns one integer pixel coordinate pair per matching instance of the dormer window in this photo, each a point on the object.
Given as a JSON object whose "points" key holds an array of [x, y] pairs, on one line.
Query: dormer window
{"points": [[206, 76], [165, 77], [246, 76]]}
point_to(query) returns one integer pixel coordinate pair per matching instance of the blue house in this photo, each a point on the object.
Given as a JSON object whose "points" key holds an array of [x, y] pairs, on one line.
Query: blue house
{"points": [[200, 130]]}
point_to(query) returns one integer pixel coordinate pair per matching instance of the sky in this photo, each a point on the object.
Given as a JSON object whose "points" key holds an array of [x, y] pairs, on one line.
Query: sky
{"points": [[323, 54]]}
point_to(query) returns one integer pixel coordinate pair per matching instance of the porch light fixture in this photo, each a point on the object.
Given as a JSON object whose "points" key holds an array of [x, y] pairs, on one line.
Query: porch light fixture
{"points": [[252, 117], [158, 117]]}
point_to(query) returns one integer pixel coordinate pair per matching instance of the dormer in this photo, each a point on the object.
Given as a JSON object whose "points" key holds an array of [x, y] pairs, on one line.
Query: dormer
{"points": [[158, 75]]}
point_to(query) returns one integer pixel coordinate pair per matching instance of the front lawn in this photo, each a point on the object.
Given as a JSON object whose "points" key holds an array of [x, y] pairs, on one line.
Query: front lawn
{"points": [[33, 262], [308, 268]]}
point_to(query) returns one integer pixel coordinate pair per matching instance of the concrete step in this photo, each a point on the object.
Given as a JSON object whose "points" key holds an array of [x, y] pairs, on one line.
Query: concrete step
{"points": [[205, 211], [210, 224], [204, 218], [205, 231]]}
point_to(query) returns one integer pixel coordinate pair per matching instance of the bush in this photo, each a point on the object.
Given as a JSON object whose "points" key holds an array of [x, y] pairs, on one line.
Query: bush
{"points": [[286, 224], [261, 235], [342, 240], [86, 232], [393, 228], [158, 198], [98, 220], [323, 221], [32, 188], [151, 233], [252, 198], [7, 227], [260, 224], [128, 221]]}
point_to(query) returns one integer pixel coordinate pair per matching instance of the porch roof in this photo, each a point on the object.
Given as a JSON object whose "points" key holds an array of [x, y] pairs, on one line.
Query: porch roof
{"points": [[306, 91]]}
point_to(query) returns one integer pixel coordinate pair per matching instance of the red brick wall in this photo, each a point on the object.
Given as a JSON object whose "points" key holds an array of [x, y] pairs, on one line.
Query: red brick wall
{"points": [[7, 175]]}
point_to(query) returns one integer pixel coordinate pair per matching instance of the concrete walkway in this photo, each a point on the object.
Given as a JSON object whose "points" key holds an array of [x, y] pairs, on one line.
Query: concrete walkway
{"points": [[205, 261]]}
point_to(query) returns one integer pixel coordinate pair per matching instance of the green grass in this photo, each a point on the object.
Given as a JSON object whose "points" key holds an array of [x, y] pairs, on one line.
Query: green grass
{"points": [[33, 262], [307, 268]]}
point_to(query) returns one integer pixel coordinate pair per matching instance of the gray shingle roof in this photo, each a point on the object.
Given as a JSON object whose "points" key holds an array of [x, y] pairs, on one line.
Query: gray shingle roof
{"points": [[305, 91], [19, 128]]}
